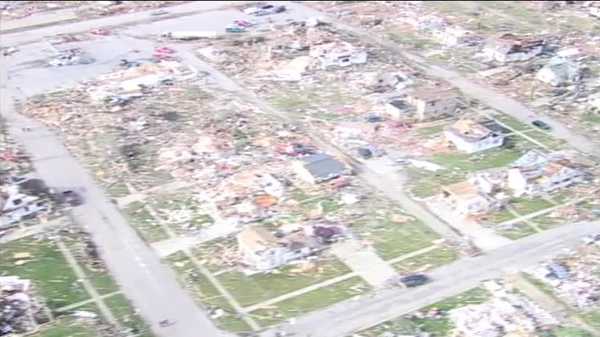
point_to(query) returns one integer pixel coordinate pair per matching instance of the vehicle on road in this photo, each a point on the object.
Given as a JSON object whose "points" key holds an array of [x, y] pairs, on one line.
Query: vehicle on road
{"points": [[100, 31], [165, 323], [164, 50], [540, 124], [591, 239], [414, 280], [264, 10], [234, 29], [159, 12], [243, 23]]}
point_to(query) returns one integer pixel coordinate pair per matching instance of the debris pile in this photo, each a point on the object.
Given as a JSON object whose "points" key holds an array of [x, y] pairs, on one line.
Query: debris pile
{"points": [[18, 307], [504, 313]]}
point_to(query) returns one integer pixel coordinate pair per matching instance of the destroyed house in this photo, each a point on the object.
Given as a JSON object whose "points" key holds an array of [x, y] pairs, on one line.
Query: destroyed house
{"points": [[536, 173], [558, 71], [340, 54], [470, 137], [510, 48], [431, 103], [319, 167], [261, 250]]}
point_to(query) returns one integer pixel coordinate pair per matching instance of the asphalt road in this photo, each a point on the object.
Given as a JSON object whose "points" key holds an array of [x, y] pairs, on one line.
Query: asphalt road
{"points": [[347, 317], [483, 93]]}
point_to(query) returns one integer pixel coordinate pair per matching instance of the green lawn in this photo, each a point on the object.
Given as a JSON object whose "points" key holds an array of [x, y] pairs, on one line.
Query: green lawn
{"points": [[207, 251], [547, 139], [100, 278], [54, 279], [500, 216], [311, 301], [592, 318], [519, 230], [429, 260], [205, 293], [569, 332], [430, 131], [513, 123], [546, 222], [249, 290], [525, 206], [67, 328], [439, 327], [593, 118], [392, 239], [498, 157], [146, 226], [121, 308]]}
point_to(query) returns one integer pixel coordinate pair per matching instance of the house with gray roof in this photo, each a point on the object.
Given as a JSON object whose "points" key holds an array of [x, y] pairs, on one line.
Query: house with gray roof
{"points": [[319, 167]]}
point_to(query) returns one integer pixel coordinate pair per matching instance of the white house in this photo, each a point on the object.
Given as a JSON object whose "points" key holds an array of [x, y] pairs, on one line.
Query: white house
{"points": [[510, 48], [536, 173], [467, 198], [341, 54], [431, 103], [261, 251], [559, 71], [470, 137]]}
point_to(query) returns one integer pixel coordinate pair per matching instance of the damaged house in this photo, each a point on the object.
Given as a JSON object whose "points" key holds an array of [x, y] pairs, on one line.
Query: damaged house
{"points": [[469, 198], [262, 250], [510, 48], [452, 36], [470, 137], [536, 173], [424, 104], [559, 71], [319, 167], [16, 206], [338, 54]]}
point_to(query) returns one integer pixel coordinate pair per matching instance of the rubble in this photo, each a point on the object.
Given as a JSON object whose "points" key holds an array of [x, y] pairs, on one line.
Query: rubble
{"points": [[19, 310], [504, 313]]}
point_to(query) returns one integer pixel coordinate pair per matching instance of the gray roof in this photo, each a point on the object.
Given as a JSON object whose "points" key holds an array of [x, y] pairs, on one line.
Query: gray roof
{"points": [[323, 166]]}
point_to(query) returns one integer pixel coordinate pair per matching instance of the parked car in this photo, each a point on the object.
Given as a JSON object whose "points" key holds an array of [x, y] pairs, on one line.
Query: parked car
{"points": [[364, 152], [542, 125], [159, 12], [234, 29], [414, 280], [242, 23], [164, 50], [100, 31], [591, 239]]}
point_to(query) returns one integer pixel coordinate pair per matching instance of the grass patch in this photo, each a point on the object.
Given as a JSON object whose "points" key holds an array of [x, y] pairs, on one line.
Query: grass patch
{"points": [[547, 222], [592, 318], [569, 332], [429, 260], [53, 278], [146, 226], [67, 328], [593, 118], [517, 231], [498, 157], [207, 251], [430, 131], [123, 311], [249, 290], [311, 301], [547, 139], [525, 206], [500, 216], [425, 184], [205, 293], [100, 278], [513, 123], [392, 239]]}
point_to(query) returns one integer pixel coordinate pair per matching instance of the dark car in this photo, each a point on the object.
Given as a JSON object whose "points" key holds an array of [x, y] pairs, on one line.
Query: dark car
{"points": [[414, 280], [542, 125], [67, 197], [364, 152]]}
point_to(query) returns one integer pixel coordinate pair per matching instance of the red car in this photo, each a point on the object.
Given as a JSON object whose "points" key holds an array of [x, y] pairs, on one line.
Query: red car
{"points": [[242, 23], [100, 31], [164, 50]]}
